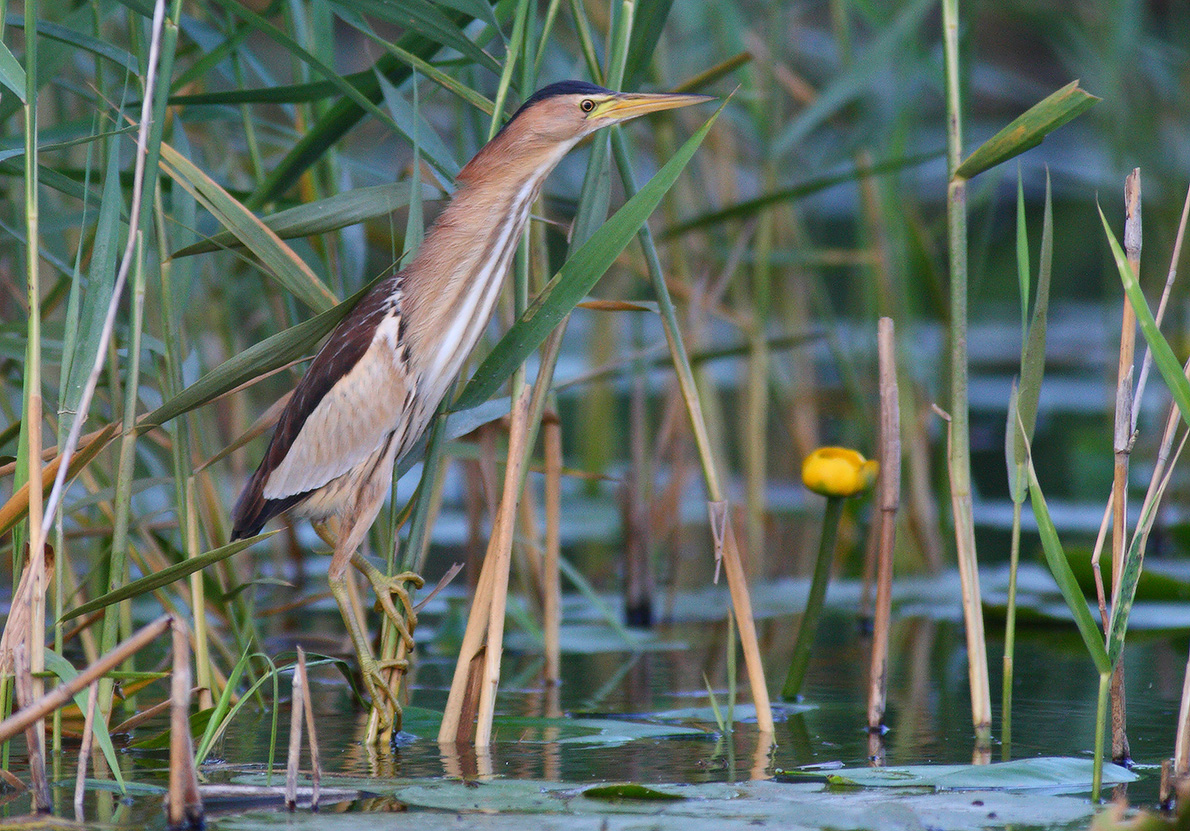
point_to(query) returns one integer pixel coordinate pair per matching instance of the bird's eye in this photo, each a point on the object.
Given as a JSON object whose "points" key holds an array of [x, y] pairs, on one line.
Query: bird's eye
{"points": [[587, 105]]}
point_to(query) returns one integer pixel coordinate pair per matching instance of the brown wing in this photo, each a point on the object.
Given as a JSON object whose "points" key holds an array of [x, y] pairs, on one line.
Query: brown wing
{"points": [[341, 409]]}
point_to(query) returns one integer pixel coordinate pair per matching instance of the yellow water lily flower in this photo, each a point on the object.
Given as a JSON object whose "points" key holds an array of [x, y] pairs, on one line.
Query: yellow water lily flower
{"points": [[838, 471]]}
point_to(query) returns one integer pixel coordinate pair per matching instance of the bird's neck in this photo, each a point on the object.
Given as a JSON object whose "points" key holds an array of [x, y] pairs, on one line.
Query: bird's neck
{"points": [[451, 287]]}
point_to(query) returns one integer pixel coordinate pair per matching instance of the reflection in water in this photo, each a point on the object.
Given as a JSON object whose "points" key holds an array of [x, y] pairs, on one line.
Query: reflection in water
{"points": [[928, 713]]}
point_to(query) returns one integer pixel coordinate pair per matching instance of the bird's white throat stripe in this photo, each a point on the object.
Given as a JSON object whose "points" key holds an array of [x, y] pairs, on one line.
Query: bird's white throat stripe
{"points": [[479, 298]]}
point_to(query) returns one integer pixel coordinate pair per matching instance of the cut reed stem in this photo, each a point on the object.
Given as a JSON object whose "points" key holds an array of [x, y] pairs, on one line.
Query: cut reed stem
{"points": [[889, 496], [1122, 447], [183, 807]]}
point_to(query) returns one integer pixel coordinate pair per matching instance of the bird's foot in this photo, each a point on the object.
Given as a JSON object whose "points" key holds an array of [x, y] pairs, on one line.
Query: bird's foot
{"points": [[376, 677], [389, 586]]}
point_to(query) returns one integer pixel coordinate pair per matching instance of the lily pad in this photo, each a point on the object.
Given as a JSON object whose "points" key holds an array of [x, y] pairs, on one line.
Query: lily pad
{"points": [[513, 805], [629, 791], [1051, 773], [423, 724], [743, 712]]}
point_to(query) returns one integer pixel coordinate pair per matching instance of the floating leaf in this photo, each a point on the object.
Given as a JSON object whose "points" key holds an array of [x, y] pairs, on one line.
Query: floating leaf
{"points": [[1051, 772], [629, 791]]}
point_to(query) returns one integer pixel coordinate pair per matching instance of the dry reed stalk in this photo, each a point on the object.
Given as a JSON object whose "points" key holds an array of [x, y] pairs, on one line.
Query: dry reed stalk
{"points": [[183, 806], [16, 627], [85, 750], [34, 733], [456, 719], [315, 757], [63, 694], [1181, 758], [501, 552], [1122, 447], [297, 712], [741, 603], [458, 716], [551, 576], [890, 498]]}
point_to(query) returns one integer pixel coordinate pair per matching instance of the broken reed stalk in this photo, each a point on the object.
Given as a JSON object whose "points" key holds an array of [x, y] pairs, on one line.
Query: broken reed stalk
{"points": [[736, 581], [63, 694], [1123, 449], [501, 552], [1181, 754], [183, 806], [315, 756], [551, 576], [85, 750], [474, 667], [34, 733], [298, 711], [889, 496]]}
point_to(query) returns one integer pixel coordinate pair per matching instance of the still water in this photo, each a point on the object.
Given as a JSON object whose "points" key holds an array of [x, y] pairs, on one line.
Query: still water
{"points": [[928, 715]]}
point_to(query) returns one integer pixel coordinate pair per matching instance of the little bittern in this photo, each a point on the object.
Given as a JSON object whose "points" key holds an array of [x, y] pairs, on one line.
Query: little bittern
{"points": [[375, 383]]}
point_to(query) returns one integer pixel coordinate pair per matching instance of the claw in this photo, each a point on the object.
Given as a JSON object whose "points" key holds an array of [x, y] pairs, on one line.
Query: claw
{"points": [[384, 700], [386, 587]]}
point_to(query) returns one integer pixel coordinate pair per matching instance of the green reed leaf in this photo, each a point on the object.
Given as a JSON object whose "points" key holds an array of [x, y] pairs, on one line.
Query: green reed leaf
{"points": [[167, 575], [1028, 129], [320, 217], [1067, 583], [279, 260]]}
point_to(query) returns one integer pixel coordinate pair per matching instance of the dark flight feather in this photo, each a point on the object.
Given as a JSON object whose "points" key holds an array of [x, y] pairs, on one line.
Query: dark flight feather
{"points": [[342, 351]]}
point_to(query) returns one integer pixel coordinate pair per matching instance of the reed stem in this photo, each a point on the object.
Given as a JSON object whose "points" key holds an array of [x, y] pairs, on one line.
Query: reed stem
{"points": [[959, 450]]}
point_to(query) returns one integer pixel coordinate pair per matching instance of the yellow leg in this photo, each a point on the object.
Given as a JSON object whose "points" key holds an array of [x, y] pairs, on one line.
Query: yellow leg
{"points": [[372, 670]]}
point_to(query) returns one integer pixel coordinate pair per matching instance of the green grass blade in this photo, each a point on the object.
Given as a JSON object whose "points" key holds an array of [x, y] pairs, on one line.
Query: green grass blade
{"points": [[279, 260], [320, 217], [576, 278], [858, 78], [167, 575], [101, 279], [79, 40], [413, 126], [66, 672], [1028, 129], [218, 720], [1067, 583], [12, 74], [307, 58], [426, 20], [1033, 357], [344, 115], [1124, 597], [647, 27], [1163, 356], [1033, 349], [1022, 255], [809, 187]]}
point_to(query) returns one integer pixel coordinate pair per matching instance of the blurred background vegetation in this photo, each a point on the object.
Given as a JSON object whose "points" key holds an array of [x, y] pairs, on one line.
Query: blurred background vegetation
{"points": [[816, 204]]}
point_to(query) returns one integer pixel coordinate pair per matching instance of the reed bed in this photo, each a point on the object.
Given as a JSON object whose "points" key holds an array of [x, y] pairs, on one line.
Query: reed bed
{"points": [[196, 193]]}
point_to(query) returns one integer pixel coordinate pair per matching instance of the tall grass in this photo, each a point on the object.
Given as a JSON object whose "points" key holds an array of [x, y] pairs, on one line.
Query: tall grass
{"points": [[289, 156]]}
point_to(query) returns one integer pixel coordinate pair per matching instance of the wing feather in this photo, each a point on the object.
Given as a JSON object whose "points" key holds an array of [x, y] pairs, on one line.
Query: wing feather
{"points": [[349, 399]]}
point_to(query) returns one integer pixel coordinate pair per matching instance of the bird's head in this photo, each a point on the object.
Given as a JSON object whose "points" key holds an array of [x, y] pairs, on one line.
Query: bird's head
{"points": [[565, 112]]}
